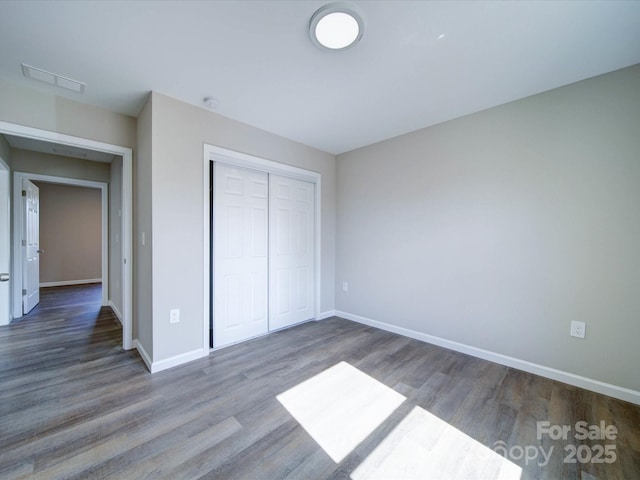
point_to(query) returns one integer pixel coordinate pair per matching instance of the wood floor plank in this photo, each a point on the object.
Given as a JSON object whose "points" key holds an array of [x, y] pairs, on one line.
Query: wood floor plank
{"points": [[73, 404]]}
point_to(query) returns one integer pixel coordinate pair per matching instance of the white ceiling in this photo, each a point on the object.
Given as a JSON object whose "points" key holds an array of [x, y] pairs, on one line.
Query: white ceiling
{"points": [[257, 59]]}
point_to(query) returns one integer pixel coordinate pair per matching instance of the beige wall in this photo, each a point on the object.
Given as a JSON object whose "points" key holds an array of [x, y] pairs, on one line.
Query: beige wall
{"points": [[497, 229], [179, 133], [70, 233], [57, 166], [37, 109]]}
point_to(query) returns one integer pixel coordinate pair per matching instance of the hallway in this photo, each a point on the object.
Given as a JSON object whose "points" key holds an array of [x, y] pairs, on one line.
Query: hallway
{"points": [[82, 327]]}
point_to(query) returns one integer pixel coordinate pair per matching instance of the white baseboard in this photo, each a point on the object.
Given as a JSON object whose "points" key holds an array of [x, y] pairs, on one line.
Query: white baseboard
{"points": [[143, 353], [116, 312], [597, 386], [71, 282], [327, 314], [155, 367], [178, 360]]}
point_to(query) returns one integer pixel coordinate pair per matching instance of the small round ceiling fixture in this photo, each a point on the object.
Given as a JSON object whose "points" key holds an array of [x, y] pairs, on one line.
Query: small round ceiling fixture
{"points": [[211, 102], [336, 26]]}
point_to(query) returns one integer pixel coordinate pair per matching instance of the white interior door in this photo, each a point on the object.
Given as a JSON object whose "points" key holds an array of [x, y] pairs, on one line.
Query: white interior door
{"points": [[31, 246], [291, 251], [240, 225], [5, 247]]}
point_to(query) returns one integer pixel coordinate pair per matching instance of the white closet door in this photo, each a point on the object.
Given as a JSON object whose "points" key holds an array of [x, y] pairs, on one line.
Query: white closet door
{"points": [[240, 222], [291, 251]]}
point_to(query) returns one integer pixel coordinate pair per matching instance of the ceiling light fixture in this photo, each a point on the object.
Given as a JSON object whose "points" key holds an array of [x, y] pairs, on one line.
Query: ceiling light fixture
{"points": [[336, 26], [53, 79]]}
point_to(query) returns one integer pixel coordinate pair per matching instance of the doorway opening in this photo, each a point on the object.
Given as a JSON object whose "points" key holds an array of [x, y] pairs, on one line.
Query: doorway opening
{"points": [[68, 255], [118, 286], [73, 238]]}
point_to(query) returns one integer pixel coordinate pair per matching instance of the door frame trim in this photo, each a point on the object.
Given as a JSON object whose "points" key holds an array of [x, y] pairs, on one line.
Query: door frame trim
{"points": [[237, 159], [127, 208], [5, 205], [18, 215]]}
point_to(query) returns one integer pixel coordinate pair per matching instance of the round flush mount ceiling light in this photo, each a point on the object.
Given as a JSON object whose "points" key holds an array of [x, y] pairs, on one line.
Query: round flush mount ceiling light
{"points": [[336, 26]]}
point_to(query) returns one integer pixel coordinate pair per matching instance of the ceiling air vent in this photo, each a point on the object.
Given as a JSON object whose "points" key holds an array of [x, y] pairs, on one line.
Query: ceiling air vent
{"points": [[53, 79]]}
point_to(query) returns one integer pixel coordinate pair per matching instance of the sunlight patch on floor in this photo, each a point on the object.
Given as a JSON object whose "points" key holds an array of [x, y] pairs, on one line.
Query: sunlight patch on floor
{"points": [[424, 446], [340, 407]]}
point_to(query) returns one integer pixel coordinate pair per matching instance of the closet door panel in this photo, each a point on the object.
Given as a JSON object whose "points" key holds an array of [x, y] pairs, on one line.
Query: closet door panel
{"points": [[291, 252], [240, 245]]}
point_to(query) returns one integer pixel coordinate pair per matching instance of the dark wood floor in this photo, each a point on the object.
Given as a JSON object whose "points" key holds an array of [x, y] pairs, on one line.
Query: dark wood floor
{"points": [[73, 404]]}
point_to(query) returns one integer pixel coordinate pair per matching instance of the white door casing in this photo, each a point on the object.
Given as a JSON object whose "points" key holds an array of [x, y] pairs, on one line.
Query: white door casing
{"points": [[31, 246], [126, 218], [5, 244], [291, 251], [213, 154], [240, 212]]}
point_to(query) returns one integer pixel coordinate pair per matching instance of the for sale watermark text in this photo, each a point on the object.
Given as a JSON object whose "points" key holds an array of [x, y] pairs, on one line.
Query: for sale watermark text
{"points": [[573, 453], [583, 431]]}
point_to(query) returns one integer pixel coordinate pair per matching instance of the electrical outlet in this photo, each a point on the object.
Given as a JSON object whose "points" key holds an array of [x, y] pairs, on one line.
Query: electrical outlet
{"points": [[174, 316], [345, 286], [578, 329]]}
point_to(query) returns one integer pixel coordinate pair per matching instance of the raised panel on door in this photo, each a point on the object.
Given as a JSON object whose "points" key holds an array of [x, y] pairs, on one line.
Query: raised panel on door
{"points": [[31, 246], [240, 259], [291, 255]]}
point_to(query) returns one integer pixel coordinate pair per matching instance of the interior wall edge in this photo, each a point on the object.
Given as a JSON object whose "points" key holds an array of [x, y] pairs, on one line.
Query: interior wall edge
{"points": [[115, 310], [143, 353]]}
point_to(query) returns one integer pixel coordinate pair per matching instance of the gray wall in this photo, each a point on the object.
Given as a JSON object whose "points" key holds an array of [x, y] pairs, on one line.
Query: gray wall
{"points": [[70, 233], [179, 131], [497, 229], [142, 267]]}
